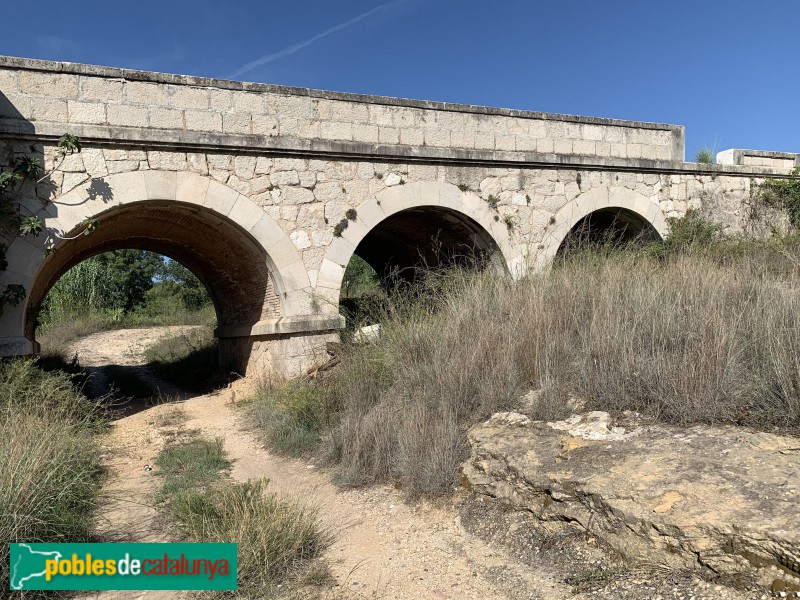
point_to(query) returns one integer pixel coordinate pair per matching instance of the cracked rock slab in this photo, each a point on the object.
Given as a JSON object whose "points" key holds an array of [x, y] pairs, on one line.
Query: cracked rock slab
{"points": [[724, 501]]}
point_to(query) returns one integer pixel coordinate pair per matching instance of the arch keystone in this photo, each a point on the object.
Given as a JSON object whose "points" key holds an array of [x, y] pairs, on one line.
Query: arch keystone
{"points": [[430, 193], [449, 195], [160, 185], [127, 187], [191, 188]]}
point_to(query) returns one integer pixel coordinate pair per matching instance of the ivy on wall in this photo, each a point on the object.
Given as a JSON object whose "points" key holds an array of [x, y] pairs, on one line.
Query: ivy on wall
{"points": [[12, 179]]}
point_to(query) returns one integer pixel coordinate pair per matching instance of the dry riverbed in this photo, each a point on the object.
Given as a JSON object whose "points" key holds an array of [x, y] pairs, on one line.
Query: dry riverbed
{"points": [[383, 547]]}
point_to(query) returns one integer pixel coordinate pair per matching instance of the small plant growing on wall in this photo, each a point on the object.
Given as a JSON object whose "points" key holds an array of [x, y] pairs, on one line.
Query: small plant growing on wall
{"points": [[27, 169], [339, 228], [704, 156], [780, 194], [493, 201]]}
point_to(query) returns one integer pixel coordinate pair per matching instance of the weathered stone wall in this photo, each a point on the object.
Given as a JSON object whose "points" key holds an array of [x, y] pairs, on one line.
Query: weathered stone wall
{"points": [[82, 95], [281, 168], [307, 197]]}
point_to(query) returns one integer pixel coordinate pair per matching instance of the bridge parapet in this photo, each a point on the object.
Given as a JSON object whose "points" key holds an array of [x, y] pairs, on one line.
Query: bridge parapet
{"points": [[94, 102], [758, 158]]}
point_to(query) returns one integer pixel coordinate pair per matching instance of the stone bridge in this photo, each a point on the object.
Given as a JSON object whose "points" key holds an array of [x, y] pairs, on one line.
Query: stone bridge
{"points": [[266, 192]]}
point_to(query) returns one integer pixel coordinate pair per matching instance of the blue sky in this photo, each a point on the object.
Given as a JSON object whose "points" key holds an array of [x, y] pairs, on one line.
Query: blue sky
{"points": [[726, 69]]}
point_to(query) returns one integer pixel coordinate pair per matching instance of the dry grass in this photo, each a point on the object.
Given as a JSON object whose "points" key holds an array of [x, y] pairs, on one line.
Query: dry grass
{"points": [[692, 340], [57, 336], [278, 539], [697, 337], [50, 470]]}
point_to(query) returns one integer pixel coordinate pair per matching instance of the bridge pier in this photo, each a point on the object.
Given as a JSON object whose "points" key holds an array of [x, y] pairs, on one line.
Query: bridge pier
{"points": [[278, 348]]}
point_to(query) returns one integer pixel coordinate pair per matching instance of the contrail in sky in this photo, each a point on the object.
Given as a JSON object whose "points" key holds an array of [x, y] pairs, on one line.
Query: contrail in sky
{"points": [[268, 58]]}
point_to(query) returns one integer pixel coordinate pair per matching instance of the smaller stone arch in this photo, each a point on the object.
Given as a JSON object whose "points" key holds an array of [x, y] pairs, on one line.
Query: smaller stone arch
{"points": [[589, 202], [418, 195]]}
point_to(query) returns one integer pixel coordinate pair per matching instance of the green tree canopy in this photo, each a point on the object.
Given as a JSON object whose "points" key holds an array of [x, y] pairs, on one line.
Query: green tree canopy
{"points": [[130, 275], [177, 280]]}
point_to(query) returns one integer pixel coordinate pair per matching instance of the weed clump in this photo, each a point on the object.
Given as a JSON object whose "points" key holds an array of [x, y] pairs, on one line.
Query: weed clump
{"points": [[292, 417]]}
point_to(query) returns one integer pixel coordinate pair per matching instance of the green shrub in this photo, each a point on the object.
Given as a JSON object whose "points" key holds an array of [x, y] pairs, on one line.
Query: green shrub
{"points": [[780, 194], [291, 417], [359, 278], [691, 232]]}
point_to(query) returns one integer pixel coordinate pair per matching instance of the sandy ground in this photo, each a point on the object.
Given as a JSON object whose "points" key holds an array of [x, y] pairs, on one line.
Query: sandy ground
{"points": [[383, 547]]}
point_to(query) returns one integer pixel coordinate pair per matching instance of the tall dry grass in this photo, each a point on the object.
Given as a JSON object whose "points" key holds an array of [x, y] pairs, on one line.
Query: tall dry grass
{"points": [[50, 470], [705, 336], [693, 340]]}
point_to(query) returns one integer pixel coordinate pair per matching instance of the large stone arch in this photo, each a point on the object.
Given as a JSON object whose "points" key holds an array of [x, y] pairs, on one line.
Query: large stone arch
{"points": [[418, 195], [589, 202], [174, 213]]}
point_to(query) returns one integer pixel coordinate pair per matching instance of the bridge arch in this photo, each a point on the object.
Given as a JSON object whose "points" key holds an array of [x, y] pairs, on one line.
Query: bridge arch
{"points": [[415, 211], [604, 204], [252, 270]]}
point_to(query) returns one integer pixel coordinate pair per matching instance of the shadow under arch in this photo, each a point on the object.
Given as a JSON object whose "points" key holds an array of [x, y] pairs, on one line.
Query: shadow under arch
{"points": [[608, 227], [427, 237], [607, 203], [229, 262], [420, 223]]}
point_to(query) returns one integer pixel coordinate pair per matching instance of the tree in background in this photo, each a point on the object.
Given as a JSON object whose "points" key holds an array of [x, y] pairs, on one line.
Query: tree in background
{"points": [[122, 283], [131, 274], [359, 278], [173, 279]]}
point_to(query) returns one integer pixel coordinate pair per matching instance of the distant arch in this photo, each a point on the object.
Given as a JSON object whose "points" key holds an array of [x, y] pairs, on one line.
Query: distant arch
{"points": [[608, 207]]}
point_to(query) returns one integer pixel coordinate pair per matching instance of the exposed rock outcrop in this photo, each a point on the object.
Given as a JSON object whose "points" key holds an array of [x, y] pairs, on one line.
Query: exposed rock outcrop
{"points": [[725, 501]]}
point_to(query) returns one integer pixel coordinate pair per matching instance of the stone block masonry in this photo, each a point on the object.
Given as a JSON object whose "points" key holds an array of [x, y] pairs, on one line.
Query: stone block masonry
{"points": [[266, 192], [79, 95]]}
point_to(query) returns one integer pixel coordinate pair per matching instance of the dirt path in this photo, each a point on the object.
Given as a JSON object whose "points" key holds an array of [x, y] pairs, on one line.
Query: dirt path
{"points": [[124, 348], [383, 548]]}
